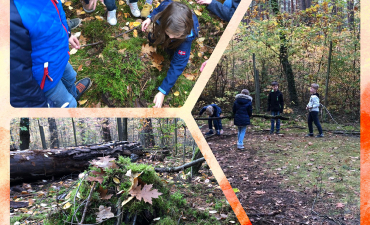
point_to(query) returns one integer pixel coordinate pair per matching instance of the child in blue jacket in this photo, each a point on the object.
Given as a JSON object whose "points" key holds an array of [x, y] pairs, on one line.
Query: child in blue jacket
{"points": [[224, 11], [175, 28], [242, 110], [213, 110]]}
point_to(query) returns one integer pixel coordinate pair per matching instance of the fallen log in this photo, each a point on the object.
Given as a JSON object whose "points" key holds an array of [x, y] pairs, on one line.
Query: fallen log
{"points": [[31, 165], [179, 168], [231, 117]]}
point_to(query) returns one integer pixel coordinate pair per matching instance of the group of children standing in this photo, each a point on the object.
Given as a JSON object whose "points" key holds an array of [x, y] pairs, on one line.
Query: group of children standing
{"points": [[242, 110]]}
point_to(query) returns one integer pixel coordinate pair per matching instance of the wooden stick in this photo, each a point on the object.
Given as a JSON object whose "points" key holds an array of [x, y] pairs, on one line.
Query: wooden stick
{"points": [[87, 203], [179, 168]]}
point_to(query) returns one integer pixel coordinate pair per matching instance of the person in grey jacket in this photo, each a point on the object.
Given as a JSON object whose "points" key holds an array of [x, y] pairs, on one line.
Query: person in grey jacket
{"points": [[313, 111]]}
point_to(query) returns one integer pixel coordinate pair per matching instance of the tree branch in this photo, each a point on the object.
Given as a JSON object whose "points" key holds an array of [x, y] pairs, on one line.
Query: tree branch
{"points": [[179, 168]]}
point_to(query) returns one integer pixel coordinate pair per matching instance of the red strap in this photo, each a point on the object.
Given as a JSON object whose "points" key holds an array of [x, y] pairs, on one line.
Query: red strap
{"points": [[46, 73], [53, 1]]}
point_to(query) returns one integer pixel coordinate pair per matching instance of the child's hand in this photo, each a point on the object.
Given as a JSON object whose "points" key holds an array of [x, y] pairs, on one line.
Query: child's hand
{"points": [[204, 2], [158, 100], [74, 42], [145, 24], [203, 65]]}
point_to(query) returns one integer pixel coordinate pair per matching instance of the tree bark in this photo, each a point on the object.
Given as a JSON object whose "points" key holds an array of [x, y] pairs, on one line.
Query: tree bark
{"points": [[106, 131], [24, 133], [146, 133], [31, 165], [54, 140]]}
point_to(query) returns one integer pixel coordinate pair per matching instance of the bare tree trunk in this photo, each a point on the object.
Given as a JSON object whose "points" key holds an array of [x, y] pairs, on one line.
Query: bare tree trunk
{"points": [[24, 133], [146, 133], [106, 130], [54, 140]]}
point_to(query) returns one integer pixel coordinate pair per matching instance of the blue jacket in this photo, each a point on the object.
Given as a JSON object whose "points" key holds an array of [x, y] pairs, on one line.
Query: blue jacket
{"points": [[38, 34], [242, 110], [181, 54], [216, 110], [223, 11]]}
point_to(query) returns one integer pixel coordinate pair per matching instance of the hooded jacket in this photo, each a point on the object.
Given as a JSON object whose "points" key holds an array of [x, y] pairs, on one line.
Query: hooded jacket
{"points": [[38, 36], [181, 54], [275, 101], [242, 110], [314, 103], [216, 110]]}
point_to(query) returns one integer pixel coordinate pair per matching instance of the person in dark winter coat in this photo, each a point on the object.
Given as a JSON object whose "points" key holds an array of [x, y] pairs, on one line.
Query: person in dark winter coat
{"points": [[275, 105], [213, 110], [40, 74], [242, 110], [224, 10]]}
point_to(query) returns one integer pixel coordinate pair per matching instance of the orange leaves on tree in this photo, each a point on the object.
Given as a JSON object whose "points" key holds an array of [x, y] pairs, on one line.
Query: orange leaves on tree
{"points": [[146, 193]]}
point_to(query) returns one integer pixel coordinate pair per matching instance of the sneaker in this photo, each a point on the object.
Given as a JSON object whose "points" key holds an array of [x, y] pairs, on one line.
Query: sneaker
{"points": [[82, 86], [221, 131], [240, 147], [309, 135], [111, 17], [73, 23], [88, 8], [218, 133], [146, 10], [209, 132], [319, 135], [134, 8]]}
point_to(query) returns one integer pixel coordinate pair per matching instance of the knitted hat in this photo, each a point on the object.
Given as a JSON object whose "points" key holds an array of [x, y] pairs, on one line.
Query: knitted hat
{"points": [[209, 110], [245, 92]]}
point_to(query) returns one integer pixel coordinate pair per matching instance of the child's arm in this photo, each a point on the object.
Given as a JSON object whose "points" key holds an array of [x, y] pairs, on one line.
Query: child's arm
{"points": [[202, 110], [225, 13], [249, 110], [178, 63], [281, 103], [310, 103]]}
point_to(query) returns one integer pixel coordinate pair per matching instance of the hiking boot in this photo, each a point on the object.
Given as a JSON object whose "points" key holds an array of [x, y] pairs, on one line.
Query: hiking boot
{"points": [[309, 135], [134, 8], [82, 86], [111, 17], [88, 8], [73, 23], [146, 10], [209, 132], [319, 135]]}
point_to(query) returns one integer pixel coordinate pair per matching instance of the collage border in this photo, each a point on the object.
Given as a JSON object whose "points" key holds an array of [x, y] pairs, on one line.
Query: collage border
{"points": [[8, 112]]}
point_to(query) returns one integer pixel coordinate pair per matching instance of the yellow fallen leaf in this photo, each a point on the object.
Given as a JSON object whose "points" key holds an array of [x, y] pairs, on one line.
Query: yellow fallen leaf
{"points": [[82, 102], [99, 18], [127, 200], [136, 24], [135, 33], [67, 205], [197, 12], [126, 15], [116, 180], [70, 7], [236, 190], [176, 93], [68, 3], [121, 51]]}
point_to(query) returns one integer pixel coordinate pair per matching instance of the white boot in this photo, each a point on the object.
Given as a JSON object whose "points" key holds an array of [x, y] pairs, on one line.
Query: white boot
{"points": [[111, 18], [134, 8]]}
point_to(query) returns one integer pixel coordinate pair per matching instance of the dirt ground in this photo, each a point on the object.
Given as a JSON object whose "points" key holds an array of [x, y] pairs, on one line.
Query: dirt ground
{"points": [[271, 196]]}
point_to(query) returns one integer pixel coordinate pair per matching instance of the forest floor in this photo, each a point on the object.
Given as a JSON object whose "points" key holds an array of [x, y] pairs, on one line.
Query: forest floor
{"points": [[125, 70], [201, 192], [289, 178]]}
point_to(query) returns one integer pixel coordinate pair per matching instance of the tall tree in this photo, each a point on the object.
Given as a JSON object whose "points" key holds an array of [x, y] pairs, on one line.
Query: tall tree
{"points": [[24, 133], [146, 133], [54, 140], [106, 131], [283, 55]]}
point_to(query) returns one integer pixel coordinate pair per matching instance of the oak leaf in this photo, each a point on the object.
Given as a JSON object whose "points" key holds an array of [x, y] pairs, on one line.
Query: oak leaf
{"points": [[146, 193], [104, 213]]}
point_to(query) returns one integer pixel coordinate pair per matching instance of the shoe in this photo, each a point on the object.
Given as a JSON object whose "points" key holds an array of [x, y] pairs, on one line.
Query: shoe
{"points": [[240, 147], [209, 132], [146, 10], [73, 23], [111, 17], [319, 135], [88, 8], [277, 132], [271, 132], [218, 133], [82, 86], [134, 8], [221, 131], [309, 135]]}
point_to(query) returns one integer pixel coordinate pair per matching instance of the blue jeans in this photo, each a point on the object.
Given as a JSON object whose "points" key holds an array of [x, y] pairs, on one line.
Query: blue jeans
{"points": [[314, 117], [275, 113], [110, 4], [65, 90], [216, 123], [241, 133]]}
